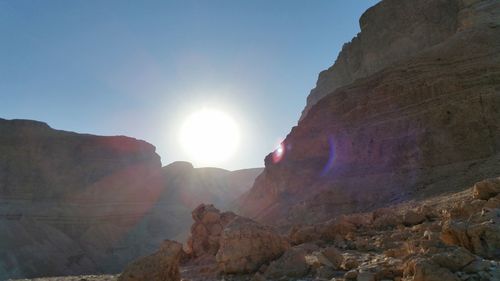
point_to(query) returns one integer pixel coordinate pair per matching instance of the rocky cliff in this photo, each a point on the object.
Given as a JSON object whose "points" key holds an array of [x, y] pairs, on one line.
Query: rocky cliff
{"points": [[410, 109], [393, 31], [74, 203]]}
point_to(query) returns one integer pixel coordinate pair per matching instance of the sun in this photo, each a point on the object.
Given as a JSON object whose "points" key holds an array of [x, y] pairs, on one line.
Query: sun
{"points": [[209, 137]]}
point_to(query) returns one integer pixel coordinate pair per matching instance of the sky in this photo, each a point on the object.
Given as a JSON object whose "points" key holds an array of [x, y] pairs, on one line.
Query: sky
{"points": [[140, 68]]}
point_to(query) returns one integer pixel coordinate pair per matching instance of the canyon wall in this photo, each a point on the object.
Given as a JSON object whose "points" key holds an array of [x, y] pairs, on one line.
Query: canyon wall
{"points": [[393, 31], [410, 109], [80, 204]]}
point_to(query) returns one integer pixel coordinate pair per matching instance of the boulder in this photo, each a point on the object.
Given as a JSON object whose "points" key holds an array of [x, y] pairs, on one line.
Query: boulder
{"points": [[245, 245], [351, 274], [292, 263], [486, 189], [334, 256], [303, 234], [160, 266], [324, 273], [385, 218], [493, 202], [411, 217], [206, 230], [454, 260], [480, 233], [425, 270]]}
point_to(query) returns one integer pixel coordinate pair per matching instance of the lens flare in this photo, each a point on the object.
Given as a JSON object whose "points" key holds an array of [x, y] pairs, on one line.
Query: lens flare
{"points": [[279, 153], [331, 157]]}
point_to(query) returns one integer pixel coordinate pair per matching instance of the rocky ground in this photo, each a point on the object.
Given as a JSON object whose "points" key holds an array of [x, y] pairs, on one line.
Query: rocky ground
{"points": [[448, 238], [76, 278]]}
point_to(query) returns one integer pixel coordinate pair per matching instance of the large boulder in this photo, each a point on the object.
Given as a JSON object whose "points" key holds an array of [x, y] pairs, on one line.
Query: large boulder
{"points": [[481, 235], [245, 245], [292, 263], [486, 189], [479, 231], [206, 230], [160, 266], [412, 217]]}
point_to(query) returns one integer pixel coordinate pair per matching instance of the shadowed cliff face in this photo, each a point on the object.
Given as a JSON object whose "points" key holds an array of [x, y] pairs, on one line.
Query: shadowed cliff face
{"points": [[68, 198], [74, 203], [417, 125]]}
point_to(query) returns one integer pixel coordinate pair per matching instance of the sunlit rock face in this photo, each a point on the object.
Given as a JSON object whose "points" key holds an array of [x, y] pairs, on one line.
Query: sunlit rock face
{"points": [[393, 31], [81, 204], [423, 120]]}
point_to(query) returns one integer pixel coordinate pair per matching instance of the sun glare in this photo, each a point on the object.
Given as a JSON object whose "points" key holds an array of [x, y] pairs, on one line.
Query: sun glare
{"points": [[209, 137]]}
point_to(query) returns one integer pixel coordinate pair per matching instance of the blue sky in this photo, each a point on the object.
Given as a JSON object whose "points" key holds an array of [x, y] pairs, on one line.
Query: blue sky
{"points": [[139, 68]]}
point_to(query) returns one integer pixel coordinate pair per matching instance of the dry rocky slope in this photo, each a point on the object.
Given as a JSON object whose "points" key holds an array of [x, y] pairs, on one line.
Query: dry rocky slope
{"points": [[410, 109], [454, 237], [84, 204], [446, 238]]}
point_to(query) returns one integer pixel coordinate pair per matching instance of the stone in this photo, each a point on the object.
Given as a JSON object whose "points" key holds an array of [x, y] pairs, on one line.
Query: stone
{"points": [[334, 256], [206, 230], [245, 245], [493, 202], [292, 263], [325, 272], [480, 233], [423, 270], [303, 234], [476, 266], [161, 266], [411, 218], [454, 260], [486, 189], [366, 276], [316, 259], [351, 274], [350, 263]]}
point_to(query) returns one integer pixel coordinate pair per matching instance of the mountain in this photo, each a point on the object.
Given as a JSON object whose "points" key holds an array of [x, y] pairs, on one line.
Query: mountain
{"points": [[77, 203], [409, 110]]}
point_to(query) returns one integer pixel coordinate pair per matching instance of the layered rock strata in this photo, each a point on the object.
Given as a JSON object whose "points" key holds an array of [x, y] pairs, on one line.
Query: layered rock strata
{"points": [[422, 120], [81, 204]]}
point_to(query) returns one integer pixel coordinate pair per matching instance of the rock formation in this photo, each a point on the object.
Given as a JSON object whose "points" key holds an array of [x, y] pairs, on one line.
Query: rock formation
{"points": [[224, 243], [207, 229], [374, 246], [81, 204], [245, 245], [478, 229], [393, 31], [381, 245], [66, 198], [410, 109], [161, 266]]}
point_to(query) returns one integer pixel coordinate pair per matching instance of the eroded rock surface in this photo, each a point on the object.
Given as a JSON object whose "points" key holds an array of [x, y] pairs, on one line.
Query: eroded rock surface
{"points": [[393, 31], [422, 120], [160, 266], [245, 245], [83, 204], [207, 229]]}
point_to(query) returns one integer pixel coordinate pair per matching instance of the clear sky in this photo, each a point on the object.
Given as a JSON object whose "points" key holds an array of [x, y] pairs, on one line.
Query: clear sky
{"points": [[139, 68]]}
